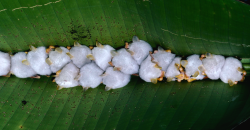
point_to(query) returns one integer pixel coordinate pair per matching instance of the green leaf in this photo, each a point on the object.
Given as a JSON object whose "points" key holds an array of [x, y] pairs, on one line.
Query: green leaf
{"points": [[218, 27]]}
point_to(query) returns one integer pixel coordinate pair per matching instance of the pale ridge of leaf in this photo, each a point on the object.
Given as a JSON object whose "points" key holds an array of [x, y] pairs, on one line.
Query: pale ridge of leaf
{"points": [[19, 8], [197, 38], [31, 6], [17, 107], [124, 105], [3, 10], [35, 6], [46, 84]]}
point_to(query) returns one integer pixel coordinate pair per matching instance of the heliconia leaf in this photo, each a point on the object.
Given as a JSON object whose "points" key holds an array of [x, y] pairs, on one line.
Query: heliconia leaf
{"points": [[184, 27]]}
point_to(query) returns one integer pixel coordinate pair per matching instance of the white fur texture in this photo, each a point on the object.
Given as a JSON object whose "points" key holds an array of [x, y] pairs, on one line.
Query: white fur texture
{"points": [[18, 68], [79, 54], [37, 61], [66, 78], [115, 79], [229, 70], [125, 62], [59, 60], [90, 75], [213, 66], [141, 50], [163, 59], [148, 71], [193, 63], [102, 56], [4, 63], [172, 71]]}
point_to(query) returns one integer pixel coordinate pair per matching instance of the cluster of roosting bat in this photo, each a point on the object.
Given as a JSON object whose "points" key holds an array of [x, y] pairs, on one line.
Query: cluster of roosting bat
{"points": [[91, 66]]}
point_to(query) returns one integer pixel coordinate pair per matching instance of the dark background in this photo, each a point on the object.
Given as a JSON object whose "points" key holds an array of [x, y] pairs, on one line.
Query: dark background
{"points": [[243, 126]]}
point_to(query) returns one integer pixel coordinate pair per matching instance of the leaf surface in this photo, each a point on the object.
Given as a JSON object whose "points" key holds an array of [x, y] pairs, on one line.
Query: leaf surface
{"points": [[197, 27]]}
